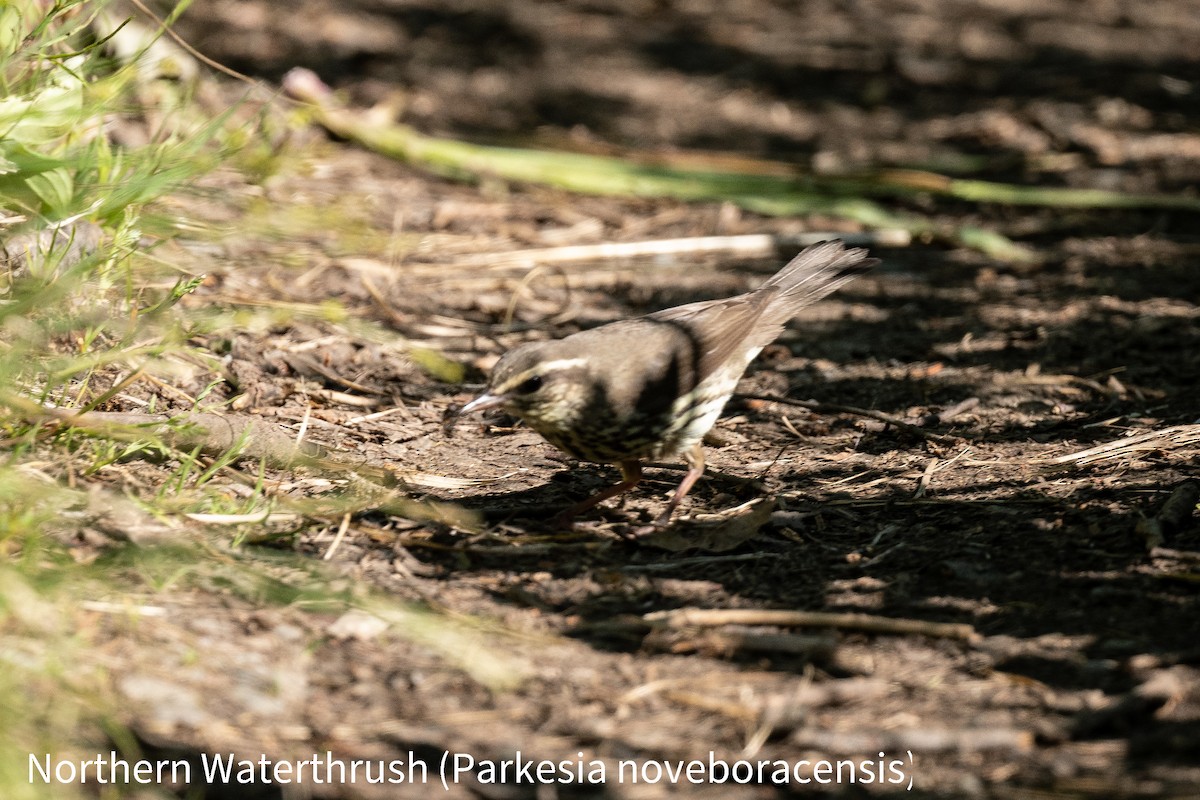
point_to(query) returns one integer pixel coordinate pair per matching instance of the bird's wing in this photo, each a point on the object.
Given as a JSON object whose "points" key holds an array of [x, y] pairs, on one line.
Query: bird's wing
{"points": [[719, 329]]}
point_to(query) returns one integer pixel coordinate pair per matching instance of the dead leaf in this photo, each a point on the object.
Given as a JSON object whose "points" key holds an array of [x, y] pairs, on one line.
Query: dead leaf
{"points": [[714, 533]]}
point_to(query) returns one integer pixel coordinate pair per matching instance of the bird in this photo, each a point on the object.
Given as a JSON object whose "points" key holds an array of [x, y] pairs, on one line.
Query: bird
{"points": [[649, 388]]}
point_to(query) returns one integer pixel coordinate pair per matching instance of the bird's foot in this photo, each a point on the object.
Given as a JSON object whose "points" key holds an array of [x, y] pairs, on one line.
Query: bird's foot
{"points": [[660, 524]]}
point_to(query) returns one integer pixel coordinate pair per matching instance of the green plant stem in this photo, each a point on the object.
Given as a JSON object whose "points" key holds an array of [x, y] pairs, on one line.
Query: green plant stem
{"points": [[768, 188]]}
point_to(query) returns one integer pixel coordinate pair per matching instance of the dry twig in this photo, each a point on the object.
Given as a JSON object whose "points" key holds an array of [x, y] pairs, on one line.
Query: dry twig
{"points": [[337, 538], [731, 641], [1174, 436], [754, 245], [926, 478]]}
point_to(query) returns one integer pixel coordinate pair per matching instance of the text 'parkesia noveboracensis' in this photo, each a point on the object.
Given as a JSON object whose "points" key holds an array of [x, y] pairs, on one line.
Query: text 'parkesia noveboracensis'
{"points": [[649, 388]]}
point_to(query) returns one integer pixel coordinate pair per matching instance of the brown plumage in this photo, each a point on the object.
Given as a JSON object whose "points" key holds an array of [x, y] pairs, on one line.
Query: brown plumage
{"points": [[651, 387]]}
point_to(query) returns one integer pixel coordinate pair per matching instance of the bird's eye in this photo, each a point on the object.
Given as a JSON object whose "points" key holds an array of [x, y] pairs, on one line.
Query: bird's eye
{"points": [[530, 385]]}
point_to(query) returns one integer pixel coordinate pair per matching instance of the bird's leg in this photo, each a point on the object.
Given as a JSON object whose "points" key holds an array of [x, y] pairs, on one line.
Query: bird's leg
{"points": [[631, 476], [695, 462]]}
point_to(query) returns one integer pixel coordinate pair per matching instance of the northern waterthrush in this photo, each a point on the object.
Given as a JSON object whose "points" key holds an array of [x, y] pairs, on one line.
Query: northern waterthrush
{"points": [[650, 388]]}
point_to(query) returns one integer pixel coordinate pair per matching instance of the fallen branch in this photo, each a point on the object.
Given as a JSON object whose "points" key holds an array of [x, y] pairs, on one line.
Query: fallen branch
{"points": [[717, 617]]}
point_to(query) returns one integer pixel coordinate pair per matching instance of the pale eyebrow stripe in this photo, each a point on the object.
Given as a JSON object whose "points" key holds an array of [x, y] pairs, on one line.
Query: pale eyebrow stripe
{"points": [[562, 363], [541, 369]]}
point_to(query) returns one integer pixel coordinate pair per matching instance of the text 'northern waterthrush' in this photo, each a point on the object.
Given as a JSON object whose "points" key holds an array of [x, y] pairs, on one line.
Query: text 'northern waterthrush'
{"points": [[650, 388]]}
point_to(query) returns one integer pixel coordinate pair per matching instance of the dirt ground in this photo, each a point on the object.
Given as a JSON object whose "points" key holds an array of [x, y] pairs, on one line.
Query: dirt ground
{"points": [[1080, 676]]}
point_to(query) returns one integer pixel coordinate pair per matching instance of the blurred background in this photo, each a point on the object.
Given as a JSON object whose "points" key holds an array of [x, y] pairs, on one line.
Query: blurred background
{"points": [[1098, 93]]}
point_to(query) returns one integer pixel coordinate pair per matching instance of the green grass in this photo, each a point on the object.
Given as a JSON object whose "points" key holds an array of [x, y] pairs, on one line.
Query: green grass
{"points": [[83, 314], [90, 313], [77, 315]]}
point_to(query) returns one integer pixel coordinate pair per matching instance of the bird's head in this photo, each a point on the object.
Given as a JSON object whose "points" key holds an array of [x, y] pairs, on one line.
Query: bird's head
{"points": [[539, 382]]}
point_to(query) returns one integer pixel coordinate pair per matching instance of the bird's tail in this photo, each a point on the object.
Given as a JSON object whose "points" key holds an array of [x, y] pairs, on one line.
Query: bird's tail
{"points": [[817, 271]]}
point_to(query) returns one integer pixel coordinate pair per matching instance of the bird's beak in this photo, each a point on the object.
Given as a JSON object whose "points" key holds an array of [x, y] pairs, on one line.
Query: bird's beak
{"points": [[482, 403]]}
